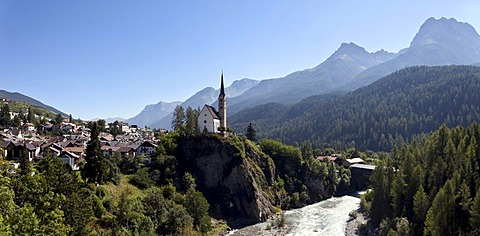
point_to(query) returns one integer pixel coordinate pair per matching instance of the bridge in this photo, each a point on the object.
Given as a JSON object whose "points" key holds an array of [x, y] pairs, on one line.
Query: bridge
{"points": [[360, 175]]}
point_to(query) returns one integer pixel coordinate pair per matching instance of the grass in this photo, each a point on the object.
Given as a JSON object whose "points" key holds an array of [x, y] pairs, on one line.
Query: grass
{"points": [[114, 191]]}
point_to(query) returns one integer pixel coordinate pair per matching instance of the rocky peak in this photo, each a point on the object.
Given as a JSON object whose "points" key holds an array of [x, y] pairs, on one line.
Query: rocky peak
{"points": [[449, 32], [349, 49]]}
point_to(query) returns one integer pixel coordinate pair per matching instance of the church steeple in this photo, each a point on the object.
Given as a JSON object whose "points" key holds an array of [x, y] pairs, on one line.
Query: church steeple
{"points": [[222, 87], [222, 107]]}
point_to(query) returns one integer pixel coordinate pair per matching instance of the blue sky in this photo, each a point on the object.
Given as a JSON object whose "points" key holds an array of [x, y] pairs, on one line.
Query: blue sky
{"points": [[110, 58]]}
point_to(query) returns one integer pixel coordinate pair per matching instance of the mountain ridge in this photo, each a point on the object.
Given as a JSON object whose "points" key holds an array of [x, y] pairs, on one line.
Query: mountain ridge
{"points": [[29, 100], [385, 113], [438, 42], [207, 95], [338, 69]]}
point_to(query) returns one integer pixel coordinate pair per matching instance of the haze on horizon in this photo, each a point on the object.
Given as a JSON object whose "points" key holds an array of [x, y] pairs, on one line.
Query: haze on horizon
{"points": [[105, 59]]}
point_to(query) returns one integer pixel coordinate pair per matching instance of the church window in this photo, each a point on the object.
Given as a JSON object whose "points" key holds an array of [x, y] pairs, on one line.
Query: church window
{"points": [[205, 121]]}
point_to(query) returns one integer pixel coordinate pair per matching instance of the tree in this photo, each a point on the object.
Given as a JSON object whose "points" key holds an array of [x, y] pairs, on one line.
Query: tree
{"points": [[191, 125], [98, 169], [197, 206], [16, 121], [475, 212], [25, 163], [420, 208], [156, 207], [58, 119], [178, 118], [101, 125], [59, 176], [439, 220], [5, 117], [251, 133], [31, 115], [189, 181]]}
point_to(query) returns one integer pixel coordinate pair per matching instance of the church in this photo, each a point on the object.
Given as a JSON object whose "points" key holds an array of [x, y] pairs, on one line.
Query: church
{"points": [[212, 120]]}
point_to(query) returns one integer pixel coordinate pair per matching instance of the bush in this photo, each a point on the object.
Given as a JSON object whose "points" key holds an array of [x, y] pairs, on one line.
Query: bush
{"points": [[142, 179]]}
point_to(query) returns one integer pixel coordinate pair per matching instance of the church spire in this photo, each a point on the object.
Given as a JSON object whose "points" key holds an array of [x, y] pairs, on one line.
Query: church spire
{"points": [[222, 108], [222, 87]]}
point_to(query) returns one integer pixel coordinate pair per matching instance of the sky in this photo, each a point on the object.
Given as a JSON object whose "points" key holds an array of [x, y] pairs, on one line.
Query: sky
{"points": [[111, 58]]}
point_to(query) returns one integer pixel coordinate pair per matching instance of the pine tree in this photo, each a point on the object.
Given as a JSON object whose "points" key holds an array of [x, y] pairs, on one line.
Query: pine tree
{"points": [[440, 216], [251, 133], [98, 169], [475, 212], [25, 163], [178, 118], [5, 118], [420, 208], [31, 115], [191, 125]]}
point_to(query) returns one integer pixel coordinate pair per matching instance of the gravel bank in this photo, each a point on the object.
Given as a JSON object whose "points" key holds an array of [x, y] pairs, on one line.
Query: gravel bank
{"points": [[358, 219]]}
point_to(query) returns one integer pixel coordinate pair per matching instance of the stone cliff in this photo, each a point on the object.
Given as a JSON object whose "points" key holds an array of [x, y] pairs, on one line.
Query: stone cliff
{"points": [[235, 177]]}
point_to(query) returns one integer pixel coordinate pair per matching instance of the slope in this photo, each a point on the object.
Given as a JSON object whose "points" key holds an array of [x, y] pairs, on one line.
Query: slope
{"points": [[28, 100], [408, 102], [342, 66]]}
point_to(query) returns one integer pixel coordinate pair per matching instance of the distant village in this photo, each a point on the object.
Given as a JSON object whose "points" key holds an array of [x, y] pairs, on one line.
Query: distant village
{"points": [[68, 139]]}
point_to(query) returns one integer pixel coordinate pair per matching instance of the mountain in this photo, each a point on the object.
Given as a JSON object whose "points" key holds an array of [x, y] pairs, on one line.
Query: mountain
{"points": [[158, 118], [393, 109], [28, 100], [153, 113], [438, 42], [347, 62], [111, 120]]}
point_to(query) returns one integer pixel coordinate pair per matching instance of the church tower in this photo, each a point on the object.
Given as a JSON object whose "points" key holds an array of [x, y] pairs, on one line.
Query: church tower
{"points": [[222, 106]]}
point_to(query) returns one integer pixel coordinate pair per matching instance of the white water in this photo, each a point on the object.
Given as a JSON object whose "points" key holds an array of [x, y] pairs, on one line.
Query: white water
{"points": [[328, 217]]}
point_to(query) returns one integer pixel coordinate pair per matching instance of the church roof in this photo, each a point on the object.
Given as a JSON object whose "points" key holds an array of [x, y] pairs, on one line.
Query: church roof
{"points": [[212, 111]]}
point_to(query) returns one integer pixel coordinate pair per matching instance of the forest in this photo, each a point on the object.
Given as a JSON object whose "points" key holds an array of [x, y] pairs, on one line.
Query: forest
{"points": [[429, 187], [377, 117]]}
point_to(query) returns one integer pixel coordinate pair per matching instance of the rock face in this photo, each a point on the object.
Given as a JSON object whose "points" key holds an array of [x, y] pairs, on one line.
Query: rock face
{"points": [[234, 178]]}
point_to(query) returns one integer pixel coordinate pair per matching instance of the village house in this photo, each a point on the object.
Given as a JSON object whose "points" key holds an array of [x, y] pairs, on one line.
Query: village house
{"points": [[29, 127], [71, 159], [146, 148]]}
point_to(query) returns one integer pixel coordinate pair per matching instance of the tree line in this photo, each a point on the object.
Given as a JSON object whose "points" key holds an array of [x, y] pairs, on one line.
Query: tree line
{"points": [[429, 187]]}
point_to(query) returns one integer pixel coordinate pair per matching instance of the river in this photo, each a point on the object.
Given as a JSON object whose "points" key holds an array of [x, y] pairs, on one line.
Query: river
{"points": [[328, 217]]}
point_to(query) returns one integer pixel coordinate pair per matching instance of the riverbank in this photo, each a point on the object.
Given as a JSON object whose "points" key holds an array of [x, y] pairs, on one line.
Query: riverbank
{"points": [[358, 224], [277, 226]]}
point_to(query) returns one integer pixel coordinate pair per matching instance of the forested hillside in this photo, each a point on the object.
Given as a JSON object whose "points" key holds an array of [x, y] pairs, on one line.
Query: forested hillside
{"points": [[173, 191], [430, 187], [28, 100], [408, 102]]}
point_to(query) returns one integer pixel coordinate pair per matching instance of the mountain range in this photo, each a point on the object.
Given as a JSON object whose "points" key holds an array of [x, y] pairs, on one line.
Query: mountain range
{"points": [[438, 42], [160, 114], [386, 113]]}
